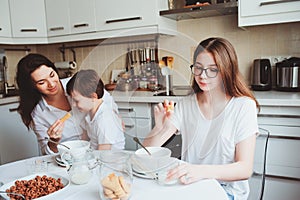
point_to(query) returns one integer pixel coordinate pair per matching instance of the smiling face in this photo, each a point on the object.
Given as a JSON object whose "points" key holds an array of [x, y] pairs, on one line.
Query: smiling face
{"points": [[82, 103], [206, 60], [46, 81]]}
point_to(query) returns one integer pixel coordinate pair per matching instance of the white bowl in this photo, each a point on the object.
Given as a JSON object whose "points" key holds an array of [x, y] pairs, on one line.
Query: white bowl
{"points": [[77, 147], [142, 162]]}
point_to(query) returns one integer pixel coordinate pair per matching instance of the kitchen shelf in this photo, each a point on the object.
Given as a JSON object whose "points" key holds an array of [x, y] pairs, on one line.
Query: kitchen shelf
{"points": [[228, 8]]}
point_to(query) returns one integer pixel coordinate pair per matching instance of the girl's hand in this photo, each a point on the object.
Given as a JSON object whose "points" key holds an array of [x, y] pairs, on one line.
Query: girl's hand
{"points": [[186, 173], [163, 111]]}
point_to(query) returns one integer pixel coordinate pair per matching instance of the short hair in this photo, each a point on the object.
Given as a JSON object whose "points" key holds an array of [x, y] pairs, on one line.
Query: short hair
{"points": [[86, 82]]}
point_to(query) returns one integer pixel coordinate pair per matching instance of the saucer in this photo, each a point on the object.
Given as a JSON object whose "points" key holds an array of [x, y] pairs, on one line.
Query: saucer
{"points": [[143, 175], [59, 161]]}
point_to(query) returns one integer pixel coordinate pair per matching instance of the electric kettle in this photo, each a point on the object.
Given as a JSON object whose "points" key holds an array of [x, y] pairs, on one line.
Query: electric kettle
{"points": [[261, 75]]}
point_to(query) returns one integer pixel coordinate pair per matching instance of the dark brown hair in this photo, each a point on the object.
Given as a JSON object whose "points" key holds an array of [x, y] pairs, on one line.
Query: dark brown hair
{"points": [[29, 95], [227, 63]]}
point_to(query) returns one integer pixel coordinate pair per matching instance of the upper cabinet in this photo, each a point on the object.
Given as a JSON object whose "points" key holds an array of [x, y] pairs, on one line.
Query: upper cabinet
{"points": [[259, 12], [112, 15], [58, 17], [5, 27], [82, 16], [53, 21], [28, 18], [130, 14], [66, 17]]}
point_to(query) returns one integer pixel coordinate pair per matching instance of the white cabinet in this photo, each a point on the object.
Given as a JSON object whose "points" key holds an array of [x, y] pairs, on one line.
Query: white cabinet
{"points": [[58, 17], [5, 27], [28, 18], [259, 12], [137, 121], [128, 15], [66, 17], [16, 142], [82, 16], [283, 164]]}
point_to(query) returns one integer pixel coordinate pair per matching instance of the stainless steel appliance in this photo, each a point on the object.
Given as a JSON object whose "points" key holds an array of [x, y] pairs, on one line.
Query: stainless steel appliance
{"points": [[261, 75], [288, 74]]}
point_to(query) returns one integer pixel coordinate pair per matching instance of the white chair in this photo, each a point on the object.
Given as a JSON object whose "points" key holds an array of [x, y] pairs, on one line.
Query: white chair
{"points": [[257, 181]]}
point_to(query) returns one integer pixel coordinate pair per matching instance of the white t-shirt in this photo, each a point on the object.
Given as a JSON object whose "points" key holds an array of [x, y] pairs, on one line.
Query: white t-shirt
{"points": [[213, 141], [45, 115], [105, 128]]}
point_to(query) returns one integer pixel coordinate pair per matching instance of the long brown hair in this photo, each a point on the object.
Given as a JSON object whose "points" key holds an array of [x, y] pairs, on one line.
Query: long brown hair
{"points": [[227, 62], [29, 95]]}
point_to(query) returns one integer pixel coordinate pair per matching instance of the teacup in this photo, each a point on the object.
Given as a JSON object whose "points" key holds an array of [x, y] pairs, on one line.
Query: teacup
{"points": [[142, 162]]}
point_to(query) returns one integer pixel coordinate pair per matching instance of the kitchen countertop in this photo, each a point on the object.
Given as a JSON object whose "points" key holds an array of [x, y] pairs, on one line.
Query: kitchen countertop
{"points": [[265, 98]]}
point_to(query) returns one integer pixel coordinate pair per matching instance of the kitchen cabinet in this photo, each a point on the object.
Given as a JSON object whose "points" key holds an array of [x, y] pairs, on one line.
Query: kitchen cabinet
{"points": [[58, 17], [283, 164], [82, 16], [137, 121], [258, 12], [66, 17], [16, 142], [142, 14], [5, 27], [26, 21]]}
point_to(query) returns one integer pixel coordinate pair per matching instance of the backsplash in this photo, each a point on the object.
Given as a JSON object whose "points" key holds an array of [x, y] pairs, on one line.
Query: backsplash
{"points": [[250, 43]]}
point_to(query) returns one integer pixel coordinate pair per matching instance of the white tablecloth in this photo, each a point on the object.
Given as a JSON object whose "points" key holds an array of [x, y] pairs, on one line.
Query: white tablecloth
{"points": [[142, 189]]}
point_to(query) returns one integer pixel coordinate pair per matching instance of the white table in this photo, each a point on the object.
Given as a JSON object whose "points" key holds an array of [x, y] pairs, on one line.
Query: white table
{"points": [[142, 188]]}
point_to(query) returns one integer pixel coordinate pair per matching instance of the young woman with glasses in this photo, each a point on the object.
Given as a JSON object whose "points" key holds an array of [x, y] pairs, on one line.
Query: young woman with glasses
{"points": [[218, 123]]}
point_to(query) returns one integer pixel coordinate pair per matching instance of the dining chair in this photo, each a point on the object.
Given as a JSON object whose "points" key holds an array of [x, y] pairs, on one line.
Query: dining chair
{"points": [[260, 162]]}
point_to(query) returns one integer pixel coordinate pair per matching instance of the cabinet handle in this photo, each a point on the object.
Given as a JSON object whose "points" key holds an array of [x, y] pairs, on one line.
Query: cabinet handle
{"points": [[276, 176], [29, 30], [81, 25], [282, 116], [125, 109], [13, 109], [57, 28], [0, 29], [129, 126], [275, 2], [284, 137], [122, 20]]}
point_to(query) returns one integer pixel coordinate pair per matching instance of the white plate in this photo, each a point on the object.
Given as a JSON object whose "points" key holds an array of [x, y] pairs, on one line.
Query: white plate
{"points": [[143, 175], [64, 180]]}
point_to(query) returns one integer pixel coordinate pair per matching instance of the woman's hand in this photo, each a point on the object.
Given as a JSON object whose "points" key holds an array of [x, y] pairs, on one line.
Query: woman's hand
{"points": [[186, 173], [55, 131]]}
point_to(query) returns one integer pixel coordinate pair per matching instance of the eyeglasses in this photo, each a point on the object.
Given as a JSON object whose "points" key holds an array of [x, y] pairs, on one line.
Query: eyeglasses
{"points": [[210, 72]]}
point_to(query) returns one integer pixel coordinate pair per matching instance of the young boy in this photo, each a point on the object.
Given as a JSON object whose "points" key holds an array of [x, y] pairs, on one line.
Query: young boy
{"points": [[103, 124]]}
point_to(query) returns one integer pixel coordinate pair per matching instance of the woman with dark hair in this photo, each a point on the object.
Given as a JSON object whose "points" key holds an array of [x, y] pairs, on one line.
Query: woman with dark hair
{"points": [[103, 124], [43, 102], [218, 123]]}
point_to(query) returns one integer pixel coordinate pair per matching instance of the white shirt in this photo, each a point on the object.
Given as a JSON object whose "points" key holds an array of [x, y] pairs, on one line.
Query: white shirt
{"points": [[44, 115], [213, 141], [105, 128]]}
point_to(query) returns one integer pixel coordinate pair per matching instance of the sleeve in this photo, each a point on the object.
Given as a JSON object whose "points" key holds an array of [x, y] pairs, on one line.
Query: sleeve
{"points": [[246, 124], [40, 129]]}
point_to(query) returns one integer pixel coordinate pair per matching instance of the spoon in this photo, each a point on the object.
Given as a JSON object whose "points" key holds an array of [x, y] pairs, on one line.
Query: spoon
{"points": [[21, 195], [138, 141], [50, 140]]}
